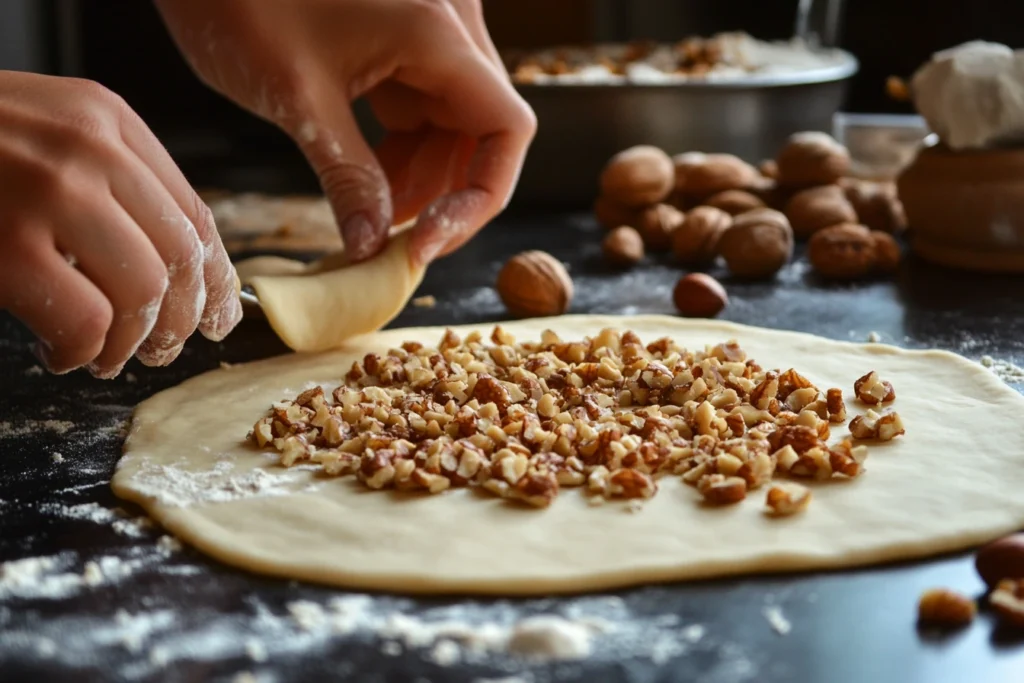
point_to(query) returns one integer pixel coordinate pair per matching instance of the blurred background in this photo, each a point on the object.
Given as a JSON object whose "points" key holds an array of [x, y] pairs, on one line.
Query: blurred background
{"points": [[123, 45]]}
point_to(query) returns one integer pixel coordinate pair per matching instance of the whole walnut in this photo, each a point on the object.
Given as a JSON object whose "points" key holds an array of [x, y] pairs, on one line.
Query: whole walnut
{"points": [[887, 252], [758, 244], [534, 283], [656, 225], [702, 175], [877, 205], [623, 246], [815, 208], [695, 243], [812, 158], [610, 214], [842, 252], [734, 202], [638, 176]]}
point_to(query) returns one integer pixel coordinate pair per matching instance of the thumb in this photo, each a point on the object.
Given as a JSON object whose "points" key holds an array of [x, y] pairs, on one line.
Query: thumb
{"points": [[350, 176]]}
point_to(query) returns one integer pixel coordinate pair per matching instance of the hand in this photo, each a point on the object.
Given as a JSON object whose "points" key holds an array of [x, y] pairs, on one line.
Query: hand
{"points": [[105, 250], [457, 130]]}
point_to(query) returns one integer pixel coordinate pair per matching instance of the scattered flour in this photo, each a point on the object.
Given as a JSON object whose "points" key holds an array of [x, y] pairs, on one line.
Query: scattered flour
{"points": [[57, 458], [182, 488], [1003, 369], [777, 620], [34, 371], [23, 427]]}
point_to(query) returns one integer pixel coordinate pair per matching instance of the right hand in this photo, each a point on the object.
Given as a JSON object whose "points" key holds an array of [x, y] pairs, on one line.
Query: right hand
{"points": [[105, 250]]}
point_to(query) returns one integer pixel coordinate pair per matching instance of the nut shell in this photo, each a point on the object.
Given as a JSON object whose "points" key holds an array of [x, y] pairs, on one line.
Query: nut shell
{"points": [[623, 246], [817, 208], [887, 252], [842, 252], [944, 607], [535, 283], [656, 225], [734, 202], [638, 176], [610, 214], [695, 243], [1001, 559], [706, 174], [758, 244], [699, 296], [812, 158]]}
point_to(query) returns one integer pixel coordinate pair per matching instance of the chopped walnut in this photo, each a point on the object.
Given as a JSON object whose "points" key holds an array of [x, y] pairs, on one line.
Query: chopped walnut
{"points": [[836, 406], [719, 489], [871, 425], [787, 499], [872, 390], [1008, 601], [609, 414]]}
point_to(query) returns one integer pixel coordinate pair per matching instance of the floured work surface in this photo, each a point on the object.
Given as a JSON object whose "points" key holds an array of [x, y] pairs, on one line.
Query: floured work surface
{"points": [[949, 483]]}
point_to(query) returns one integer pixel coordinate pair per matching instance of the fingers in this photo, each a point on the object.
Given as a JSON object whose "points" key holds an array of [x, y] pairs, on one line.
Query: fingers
{"points": [[422, 166], [472, 100], [69, 315], [116, 255], [175, 217], [349, 173], [179, 247], [472, 15]]}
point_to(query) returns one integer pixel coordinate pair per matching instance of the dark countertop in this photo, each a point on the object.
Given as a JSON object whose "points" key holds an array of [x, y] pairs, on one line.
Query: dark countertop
{"points": [[846, 626]]}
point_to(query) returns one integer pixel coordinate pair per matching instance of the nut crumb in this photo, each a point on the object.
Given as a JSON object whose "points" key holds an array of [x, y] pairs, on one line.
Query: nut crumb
{"points": [[426, 301], [57, 457], [944, 607], [874, 337], [777, 620]]}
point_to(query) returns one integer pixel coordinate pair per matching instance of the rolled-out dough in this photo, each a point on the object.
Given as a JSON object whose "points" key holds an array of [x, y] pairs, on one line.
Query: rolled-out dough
{"points": [[953, 481], [317, 306]]}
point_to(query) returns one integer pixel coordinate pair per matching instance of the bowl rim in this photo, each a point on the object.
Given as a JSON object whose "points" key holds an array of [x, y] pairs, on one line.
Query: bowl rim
{"points": [[826, 74]]}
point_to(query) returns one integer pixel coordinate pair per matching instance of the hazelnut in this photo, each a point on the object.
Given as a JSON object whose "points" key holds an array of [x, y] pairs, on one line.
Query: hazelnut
{"points": [[842, 252], [818, 207], [877, 205], [944, 607], [535, 283], [657, 223], [610, 214], [812, 158], [638, 176], [887, 252], [758, 244], [623, 246], [1001, 559], [696, 240], [699, 296], [707, 174], [734, 202]]}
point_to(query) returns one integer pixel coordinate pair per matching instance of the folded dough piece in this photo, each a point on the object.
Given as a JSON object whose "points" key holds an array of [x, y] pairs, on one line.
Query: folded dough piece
{"points": [[318, 306]]}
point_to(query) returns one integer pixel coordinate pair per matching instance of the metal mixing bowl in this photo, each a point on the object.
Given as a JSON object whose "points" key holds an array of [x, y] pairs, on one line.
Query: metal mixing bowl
{"points": [[581, 126]]}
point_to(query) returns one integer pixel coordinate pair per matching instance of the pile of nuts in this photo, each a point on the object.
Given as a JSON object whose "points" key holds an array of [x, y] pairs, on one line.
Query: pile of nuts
{"points": [[693, 56], [610, 414], [1000, 564], [705, 206]]}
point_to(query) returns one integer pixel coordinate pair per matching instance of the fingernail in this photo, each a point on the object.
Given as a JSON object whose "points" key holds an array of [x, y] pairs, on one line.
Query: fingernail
{"points": [[359, 236], [157, 357], [104, 373]]}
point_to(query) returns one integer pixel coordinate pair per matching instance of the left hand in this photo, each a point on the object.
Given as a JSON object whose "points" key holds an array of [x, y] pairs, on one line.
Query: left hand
{"points": [[457, 129]]}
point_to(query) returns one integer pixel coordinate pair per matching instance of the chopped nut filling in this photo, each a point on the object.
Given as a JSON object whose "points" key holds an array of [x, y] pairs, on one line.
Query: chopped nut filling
{"points": [[607, 414]]}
